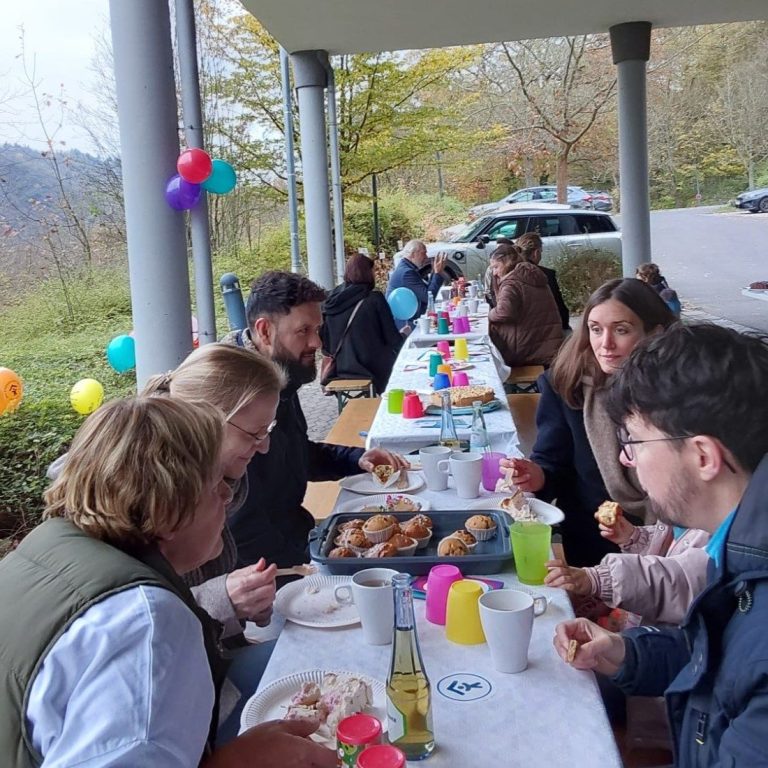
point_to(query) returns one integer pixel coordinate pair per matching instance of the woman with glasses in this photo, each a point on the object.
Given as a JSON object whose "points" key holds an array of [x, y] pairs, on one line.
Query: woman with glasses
{"points": [[575, 459]]}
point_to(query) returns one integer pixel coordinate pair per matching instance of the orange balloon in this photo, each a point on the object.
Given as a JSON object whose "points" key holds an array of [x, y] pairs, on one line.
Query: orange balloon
{"points": [[11, 390]]}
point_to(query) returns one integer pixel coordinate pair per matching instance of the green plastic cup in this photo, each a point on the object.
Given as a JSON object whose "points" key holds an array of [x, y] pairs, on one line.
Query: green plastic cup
{"points": [[435, 359], [395, 400], [531, 546], [442, 325]]}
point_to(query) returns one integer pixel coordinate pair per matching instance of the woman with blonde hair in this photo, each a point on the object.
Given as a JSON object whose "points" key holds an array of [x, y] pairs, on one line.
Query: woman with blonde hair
{"points": [[105, 658], [524, 324]]}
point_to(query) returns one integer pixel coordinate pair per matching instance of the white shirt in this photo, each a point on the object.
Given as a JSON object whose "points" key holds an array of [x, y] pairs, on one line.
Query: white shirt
{"points": [[128, 684]]}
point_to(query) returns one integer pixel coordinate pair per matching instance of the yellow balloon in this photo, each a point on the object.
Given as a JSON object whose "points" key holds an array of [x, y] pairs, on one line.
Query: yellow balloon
{"points": [[11, 390], [86, 396]]}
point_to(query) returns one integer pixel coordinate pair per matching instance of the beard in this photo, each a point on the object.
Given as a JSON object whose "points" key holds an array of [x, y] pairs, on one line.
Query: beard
{"points": [[678, 508], [301, 371]]}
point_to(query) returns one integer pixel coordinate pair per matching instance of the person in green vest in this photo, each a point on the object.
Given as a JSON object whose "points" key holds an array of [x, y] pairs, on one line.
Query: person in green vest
{"points": [[105, 658]]}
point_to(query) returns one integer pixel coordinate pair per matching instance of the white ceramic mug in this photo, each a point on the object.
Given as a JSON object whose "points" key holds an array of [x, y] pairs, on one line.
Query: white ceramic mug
{"points": [[507, 619], [472, 293], [423, 324], [474, 305], [467, 471], [430, 457], [371, 591]]}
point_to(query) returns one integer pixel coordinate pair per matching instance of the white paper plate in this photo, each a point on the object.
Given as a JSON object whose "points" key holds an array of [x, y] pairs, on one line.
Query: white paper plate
{"points": [[299, 604], [271, 703], [356, 505], [546, 513], [365, 485]]}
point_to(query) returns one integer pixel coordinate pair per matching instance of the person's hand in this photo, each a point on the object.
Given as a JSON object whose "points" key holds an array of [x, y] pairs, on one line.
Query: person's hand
{"points": [[406, 329], [251, 591], [438, 267], [275, 744], [376, 456], [619, 533], [598, 649], [568, 577], [525, 474]]}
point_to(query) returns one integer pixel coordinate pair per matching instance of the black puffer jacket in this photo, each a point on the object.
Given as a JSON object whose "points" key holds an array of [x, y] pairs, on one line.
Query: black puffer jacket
{"points": [[372, 341]]}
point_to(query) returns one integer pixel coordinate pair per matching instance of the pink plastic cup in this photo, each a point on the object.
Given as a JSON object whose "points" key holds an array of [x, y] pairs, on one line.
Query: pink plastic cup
{"points": [[460, 379], [491, 470], [438, 585], [412, 407], [463, 323], [444, 348]]}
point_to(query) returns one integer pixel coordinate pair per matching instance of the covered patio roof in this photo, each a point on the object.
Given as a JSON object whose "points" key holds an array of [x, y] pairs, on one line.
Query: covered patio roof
{"points": [[355, 26]]}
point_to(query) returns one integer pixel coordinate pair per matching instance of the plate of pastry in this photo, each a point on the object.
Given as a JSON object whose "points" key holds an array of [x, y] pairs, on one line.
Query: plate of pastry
{"points": [[385, 502], [407, 482], [521, 508], [311, 602], [323, 696]]}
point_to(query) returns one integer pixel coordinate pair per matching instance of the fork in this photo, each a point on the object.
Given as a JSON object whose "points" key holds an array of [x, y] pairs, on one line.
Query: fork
{"points": [[297, 570]]}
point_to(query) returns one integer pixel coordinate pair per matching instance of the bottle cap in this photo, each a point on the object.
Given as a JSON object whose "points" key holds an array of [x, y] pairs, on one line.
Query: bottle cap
{"points": [[381, 756], [359, 729]]}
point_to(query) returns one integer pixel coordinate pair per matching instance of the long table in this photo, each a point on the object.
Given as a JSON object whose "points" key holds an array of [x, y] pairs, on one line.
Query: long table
{"points": [[550, 715]]}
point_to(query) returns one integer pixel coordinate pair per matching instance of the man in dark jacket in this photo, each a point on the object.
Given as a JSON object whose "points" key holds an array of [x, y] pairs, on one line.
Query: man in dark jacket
{"points": [[408, 274], [694, 414], [284, 321]]}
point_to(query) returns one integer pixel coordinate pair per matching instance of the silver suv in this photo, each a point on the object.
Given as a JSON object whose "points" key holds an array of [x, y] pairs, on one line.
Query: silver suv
{"points": [[567, 231]]}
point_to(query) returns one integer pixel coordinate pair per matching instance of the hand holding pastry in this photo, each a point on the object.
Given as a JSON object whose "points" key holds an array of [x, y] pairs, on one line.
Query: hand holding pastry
{"points": [[568, 577], [525, 474], [379, 456], [585, 645], [613, 525]]}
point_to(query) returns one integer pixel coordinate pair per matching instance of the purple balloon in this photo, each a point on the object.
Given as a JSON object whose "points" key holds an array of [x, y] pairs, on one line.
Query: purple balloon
{"points": [[182, 195]]}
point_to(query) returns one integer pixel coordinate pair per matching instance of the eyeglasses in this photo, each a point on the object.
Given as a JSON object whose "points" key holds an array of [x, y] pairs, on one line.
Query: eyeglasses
{"points": [[258, 437]]}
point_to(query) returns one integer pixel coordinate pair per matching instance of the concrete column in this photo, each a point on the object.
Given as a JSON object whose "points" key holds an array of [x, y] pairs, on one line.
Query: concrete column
{"points": [[157, 249], [189, 77], [338, 200], [290, 162], [310, 77], [630, 44]]}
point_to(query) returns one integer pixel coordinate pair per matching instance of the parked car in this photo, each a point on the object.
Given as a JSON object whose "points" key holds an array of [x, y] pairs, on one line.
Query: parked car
{"points": [[754, 200], [577, 198], [601, 201], [563, 230]]}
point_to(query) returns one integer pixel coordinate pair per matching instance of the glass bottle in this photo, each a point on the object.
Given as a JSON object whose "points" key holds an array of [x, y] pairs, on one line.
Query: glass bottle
{"points": [[448, 435], [478, 437], [409, 694], [430, 303]]}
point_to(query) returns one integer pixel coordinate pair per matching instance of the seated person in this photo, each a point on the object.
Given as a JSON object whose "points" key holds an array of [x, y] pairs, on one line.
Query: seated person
{"points": [[364, 346], [650, 274], [111, 662], [524, 325]]}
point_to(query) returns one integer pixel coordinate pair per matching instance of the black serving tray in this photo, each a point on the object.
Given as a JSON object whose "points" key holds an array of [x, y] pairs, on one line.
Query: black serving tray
{"points": [[487, 557]]}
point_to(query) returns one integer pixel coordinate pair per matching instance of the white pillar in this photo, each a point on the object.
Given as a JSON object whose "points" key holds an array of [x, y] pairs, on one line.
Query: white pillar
{"points": [[631, 43]]}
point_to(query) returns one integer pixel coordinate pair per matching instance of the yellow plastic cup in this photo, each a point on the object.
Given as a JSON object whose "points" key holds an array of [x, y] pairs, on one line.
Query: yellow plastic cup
{"points": [[447, 370], [460, 349], [530, 546], [462, 613]]}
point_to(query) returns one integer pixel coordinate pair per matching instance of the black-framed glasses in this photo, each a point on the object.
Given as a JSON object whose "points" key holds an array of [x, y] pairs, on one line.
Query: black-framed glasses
{"points": [[256, 436]]}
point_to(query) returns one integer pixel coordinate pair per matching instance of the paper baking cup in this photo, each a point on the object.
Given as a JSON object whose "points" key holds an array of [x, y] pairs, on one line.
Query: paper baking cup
{"points": [[377, 537], [481, 534]]}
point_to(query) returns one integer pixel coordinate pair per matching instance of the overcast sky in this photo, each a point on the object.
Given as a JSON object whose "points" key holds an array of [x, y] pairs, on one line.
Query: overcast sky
{"points": [[60, 35]]}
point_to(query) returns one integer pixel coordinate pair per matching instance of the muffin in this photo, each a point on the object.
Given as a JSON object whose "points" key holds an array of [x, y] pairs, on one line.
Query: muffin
{"points": [[482, 527], [383, 549], [421, 533], [379, 528], [424, 520], [403, 544], [356, 523], [338, 552], [392, 519], [466, 537], [450, 547]]}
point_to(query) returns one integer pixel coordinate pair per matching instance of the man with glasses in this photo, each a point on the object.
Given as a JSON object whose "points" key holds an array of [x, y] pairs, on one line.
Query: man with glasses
{"points": [[693, 407], [284, 320]]}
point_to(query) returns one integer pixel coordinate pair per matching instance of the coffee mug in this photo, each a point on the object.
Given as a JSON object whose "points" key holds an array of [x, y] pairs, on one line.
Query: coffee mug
{"points": [[371, 591], [423, 324], [429, 458], [467, 471], [507, 619], [474, 305]]}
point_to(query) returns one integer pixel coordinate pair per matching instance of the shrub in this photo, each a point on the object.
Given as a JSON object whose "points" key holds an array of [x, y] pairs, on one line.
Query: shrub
{"points": [[579, 275]]}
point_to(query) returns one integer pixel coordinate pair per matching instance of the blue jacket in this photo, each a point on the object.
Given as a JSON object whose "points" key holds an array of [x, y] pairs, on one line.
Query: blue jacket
{"points": [[713, 671], [407, 275], [571, 475]]}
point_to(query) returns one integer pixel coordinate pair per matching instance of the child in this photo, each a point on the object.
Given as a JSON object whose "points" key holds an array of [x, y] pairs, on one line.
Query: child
{"points": [[658, 573], [651, 274]]}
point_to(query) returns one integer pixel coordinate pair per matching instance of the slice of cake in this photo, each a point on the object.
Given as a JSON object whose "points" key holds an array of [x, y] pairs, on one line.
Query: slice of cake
{"points": [[464, 396]]}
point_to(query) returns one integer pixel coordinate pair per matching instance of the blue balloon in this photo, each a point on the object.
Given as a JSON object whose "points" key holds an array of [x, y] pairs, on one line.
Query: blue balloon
{"points": [[121, 353], [222, 179], [403, 303]]}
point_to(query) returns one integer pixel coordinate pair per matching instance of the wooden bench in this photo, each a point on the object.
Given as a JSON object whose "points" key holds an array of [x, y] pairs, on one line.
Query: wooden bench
{"points": [[356, 417], [523, 409], [349, 389], [523, 379]]}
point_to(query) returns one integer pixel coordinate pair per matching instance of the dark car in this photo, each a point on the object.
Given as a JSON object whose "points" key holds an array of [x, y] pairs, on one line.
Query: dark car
{"points": [[754, 200]]}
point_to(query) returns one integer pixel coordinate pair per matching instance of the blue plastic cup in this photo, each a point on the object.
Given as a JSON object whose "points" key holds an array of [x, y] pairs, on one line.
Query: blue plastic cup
{"points": [[441, 381]]}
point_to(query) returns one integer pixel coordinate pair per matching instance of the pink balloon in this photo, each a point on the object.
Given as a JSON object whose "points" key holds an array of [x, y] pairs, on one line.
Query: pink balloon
{"points": [[194, 165]]}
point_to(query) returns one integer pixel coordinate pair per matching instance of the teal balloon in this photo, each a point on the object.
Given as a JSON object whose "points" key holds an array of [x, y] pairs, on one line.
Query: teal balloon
{"points": [[222, 179], [403, 303], [121, 353]]}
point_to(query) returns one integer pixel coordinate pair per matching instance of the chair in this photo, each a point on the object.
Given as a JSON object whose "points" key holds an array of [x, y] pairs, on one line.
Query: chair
{"points": [[348, 389], [523, 379], [523, 409]]}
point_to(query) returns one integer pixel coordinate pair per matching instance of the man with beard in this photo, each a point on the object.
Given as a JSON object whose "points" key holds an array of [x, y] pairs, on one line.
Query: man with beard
{"points": [[693, 412], [284, 320]]}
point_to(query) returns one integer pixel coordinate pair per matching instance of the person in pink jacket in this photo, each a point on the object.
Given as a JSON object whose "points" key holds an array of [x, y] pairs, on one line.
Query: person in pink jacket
{"points": [[656, 576]]}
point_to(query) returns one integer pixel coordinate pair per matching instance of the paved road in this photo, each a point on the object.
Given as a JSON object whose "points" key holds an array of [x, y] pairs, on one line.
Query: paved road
{"points": [[708, 257]]}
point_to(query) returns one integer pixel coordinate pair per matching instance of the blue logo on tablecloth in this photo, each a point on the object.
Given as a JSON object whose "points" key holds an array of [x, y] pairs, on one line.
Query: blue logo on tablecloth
{"points": [[464, 686]]}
